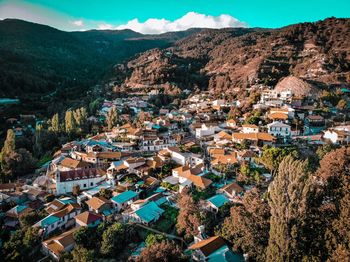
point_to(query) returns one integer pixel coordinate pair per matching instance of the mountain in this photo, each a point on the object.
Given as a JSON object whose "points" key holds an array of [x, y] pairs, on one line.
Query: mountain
{"points": [[38, 60], [222, 60]]}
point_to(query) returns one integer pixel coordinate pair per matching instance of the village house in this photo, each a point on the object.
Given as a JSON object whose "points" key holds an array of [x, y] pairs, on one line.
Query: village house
{"points": [[231, 123], [337, 135], [88, 219], [61, 219], [65, 181], [314, 124], [231, 190], [256, 138], [206, 130], [248, 128], [57, 245], [188, 177], [278, 129], [213, 249], [12, 216], [149, 212], [123, 200], [100, 205], [215, 202]]}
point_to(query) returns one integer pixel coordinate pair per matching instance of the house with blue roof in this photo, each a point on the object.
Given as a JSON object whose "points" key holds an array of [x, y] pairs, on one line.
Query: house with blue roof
{"points": [[147, 214], [12, 216], [217, 201], [62, 219], [123, 200]]}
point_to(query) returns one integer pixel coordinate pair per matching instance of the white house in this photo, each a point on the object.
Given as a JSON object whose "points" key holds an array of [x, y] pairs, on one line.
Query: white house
{"points": [[338, 135], [61, 219], [123, 200], [250, 129], [206, 130], [279, 129], [65, 181]]}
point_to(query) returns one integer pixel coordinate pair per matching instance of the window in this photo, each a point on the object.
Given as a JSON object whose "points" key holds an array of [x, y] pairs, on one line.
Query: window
{"points": [[84, 185], [91, 184]]}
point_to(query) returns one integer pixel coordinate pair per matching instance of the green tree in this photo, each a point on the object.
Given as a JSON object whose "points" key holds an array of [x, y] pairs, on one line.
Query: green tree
{"points": [[113, 240], [106, 193], [80, 117], [272, 156], [112, 118], [55, 124], [69, 121], [288, 197], [152, 239], [14, 162], [81, 254], [85, 237]]}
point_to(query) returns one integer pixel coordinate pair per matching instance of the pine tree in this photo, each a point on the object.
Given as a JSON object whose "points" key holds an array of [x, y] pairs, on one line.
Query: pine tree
{"points": [[288, 203]]}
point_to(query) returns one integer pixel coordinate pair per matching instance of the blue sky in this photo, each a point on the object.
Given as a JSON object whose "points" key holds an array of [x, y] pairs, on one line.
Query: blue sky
{"points": [[156, 16]]}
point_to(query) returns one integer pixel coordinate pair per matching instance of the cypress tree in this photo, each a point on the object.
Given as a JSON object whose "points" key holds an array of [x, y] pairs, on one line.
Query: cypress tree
{"points": [[288, 195]]}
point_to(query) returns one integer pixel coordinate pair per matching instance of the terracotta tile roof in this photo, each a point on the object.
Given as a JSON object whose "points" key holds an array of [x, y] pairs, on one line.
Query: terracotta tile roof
{"points": [[249, 126], [87, 217], [279, 116], [253, 136], [133, 160], [72, 163], [81, 174], [210, 245], [67, 210], [233, 186], [223, 135], [58, 244], [109, 155], [216, 151], [199, 181], [54, 206], [97, 202], [224, 159], [246, 153]]}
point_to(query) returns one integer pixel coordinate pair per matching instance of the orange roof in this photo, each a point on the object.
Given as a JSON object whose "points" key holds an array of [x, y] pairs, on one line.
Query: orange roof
{"points": [[231, 121], [72, 163], [87, 217], [208, 246], [96, 202], [233, 186], [253, 136], [223, 135], [250, 126], [224, 159], [279, 116], [58, 244], [199, 181], [68, 209], [216, 151]]}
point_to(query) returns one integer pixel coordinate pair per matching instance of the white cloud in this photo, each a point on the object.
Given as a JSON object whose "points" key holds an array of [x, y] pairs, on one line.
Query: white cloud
{"points": [[105, 26], [189, 20], [78, 23]]}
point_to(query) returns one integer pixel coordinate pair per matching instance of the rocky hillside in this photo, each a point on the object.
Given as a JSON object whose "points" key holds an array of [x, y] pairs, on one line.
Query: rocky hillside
{"points": [[220, 60]]}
